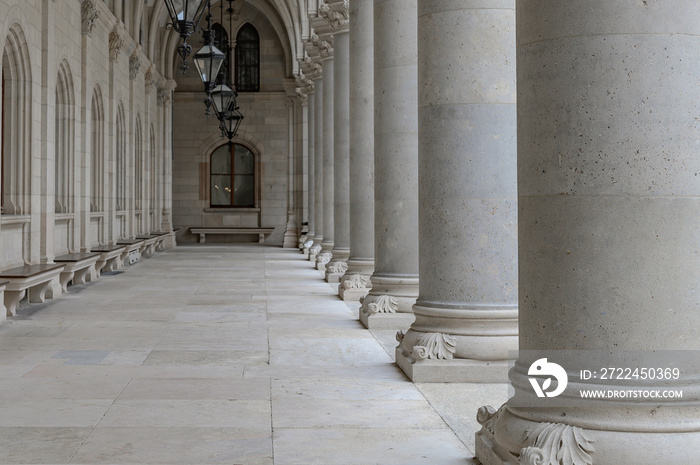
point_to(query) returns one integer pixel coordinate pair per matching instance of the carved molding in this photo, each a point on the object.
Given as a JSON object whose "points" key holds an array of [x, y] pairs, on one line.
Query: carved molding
{"points": [[384, 304], [557, 444], [323, 258], [134, 66], [435, 346], [357, 281], [89, 15], [315, 249], [338, 20], [150, 80], [116, 42], [487, 417], [337, 267]]}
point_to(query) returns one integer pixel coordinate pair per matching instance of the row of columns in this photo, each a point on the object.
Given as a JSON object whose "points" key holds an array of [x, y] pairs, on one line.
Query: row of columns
{"points": [[436, 175]]}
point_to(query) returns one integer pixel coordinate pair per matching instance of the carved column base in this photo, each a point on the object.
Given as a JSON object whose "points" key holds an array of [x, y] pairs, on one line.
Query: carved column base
{"points": [[338, 266], [322, 259], [356, 282], [315, 249], [305, 246], [458, 345], [3, 309], [170, 240], [507, 439], [389, 305]]}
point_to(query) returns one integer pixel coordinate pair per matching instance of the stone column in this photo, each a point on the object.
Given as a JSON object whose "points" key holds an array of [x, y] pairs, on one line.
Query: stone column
{"points": [[355, 284], [318, 169], [328, 226], [395, 280], [341, 157], [609, 214], [466, 313], [311, 234]]}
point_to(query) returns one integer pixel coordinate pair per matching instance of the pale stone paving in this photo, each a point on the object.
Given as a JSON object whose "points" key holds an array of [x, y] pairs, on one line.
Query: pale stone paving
{"points": [[215, 355]]}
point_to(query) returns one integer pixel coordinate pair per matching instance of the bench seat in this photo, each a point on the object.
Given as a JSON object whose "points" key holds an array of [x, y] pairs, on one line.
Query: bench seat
{"points": [[80, 268], [149, 244], [110, 258], [130, 246], [41, 280], [261, 232]]}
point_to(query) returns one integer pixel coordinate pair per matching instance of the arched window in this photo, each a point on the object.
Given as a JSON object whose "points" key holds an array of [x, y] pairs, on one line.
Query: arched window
{"points": [[97, 154], [64, 145], [121, 160], [138, 167], [221, 41], [248, 59], [16, 124], [232, 177]]}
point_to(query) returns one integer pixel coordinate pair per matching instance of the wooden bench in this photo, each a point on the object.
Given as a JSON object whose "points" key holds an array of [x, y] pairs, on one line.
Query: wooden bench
{"points": [[261, 232], [130, 246], [80, 268], [110, 258], [149, 244], [41, 280]]}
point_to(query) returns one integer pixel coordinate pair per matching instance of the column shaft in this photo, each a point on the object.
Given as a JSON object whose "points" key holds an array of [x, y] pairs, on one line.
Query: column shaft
{"points": [[310, 235], [395, 279], [341, 158], [328, 188], [355, 284], [609, 214], [318, 170], [467, 175]]}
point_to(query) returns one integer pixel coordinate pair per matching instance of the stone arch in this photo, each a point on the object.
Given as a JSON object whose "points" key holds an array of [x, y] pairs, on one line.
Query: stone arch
{"points": [[17, 123], [64, 140], [120, 159]]}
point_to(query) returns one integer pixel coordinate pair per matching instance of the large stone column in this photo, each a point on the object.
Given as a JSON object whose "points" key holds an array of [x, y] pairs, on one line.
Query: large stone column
{"points": [[311, 233], [318, 169], [466, 313], [341, 157], [355, 284], [328, 190], [609, 214], [395, 280]]}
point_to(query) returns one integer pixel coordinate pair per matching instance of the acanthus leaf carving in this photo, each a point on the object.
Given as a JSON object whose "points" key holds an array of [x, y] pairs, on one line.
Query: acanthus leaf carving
{"points": [[150, 80], [323, 258], [435, 345], [134, 66], [557, 444], [302, 240], [399, 336], [116, 42], [337, 19], [357, 281], [338, 267], [315, 249], [384, 304], [89, 15]]}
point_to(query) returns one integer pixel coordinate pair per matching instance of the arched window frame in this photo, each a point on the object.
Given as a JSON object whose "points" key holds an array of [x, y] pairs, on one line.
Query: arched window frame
{"points": [[64, 141], [235, 176], [138, 166], [121, 161], [97, 131], [247, 59]]}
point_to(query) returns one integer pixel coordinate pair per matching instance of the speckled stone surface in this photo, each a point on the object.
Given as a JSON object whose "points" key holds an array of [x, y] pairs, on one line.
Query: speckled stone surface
{"points": [[609, 208], [396, 155], [467, 166]]}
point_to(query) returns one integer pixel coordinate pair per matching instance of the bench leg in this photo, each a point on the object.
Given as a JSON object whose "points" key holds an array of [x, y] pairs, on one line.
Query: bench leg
{"points": [[48, 290], [12, 299], [201, 238], [83, 275], [261, 238], [65, 278]]}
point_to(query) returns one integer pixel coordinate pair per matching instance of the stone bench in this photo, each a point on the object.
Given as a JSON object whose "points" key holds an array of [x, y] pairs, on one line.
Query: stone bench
{"points": [[131, 245], [41, 280], [261, 232], [161, 238], [110, 258], [150, 242], [79, 268]]}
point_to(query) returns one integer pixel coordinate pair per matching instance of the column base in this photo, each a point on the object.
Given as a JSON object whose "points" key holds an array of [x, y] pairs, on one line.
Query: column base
{"points": [[507, 439], [335, 270], [386, 320], [451, 370], [352, 294]]}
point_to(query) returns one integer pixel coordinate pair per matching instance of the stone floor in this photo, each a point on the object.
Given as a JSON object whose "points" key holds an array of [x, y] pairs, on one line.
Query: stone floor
{"points": [[219, 355]]}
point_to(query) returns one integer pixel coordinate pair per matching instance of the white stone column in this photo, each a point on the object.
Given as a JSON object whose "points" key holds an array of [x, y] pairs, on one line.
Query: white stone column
{"points": [[318, 169], [609, 214], [341, 158], [468, 195], [311, 233], [328, 191], [395, 280], [355, 284]]}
